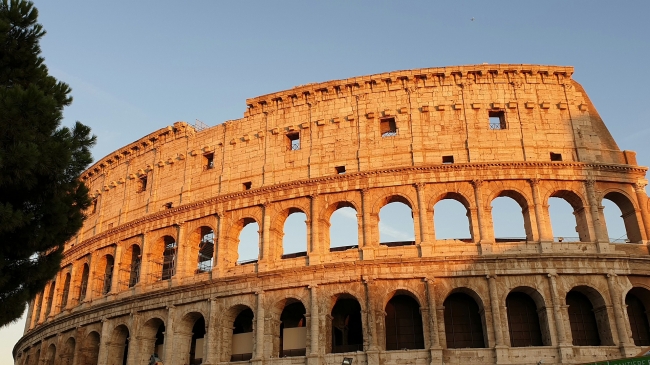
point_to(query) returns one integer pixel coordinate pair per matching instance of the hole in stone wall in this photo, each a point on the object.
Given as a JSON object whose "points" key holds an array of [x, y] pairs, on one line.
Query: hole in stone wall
{"points": [[447, 159], [247, 185], [293, 140], [340, 170], [208, 161], [388, 127], [556, 156], [497, 119]]}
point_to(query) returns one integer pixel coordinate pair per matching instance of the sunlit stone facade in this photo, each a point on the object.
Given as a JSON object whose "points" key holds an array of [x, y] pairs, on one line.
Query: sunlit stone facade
{"points": [[156, 268]]}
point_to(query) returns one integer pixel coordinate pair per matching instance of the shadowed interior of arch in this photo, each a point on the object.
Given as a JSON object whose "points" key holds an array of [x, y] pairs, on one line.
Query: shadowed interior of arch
{"points": [[346, 327], [567, 224], [205, 246], [620, 218], [396, 227]]}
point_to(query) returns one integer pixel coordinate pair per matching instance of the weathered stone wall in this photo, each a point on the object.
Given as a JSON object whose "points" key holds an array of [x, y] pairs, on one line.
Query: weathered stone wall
{"points": [[437, 112]]}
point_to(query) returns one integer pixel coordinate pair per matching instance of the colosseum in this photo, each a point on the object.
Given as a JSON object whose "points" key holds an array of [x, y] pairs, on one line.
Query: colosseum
{"points": [[156, 269]]}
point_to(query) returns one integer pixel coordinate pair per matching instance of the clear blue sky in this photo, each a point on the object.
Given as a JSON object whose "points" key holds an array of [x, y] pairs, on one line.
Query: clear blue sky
{"points": [[135, 67]]}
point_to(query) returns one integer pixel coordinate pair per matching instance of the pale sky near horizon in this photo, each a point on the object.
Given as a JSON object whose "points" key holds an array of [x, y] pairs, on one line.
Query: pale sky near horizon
{"points": [[135, 67]]}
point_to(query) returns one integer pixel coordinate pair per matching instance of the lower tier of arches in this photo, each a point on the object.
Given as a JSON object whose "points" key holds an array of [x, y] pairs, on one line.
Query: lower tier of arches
{"points": [[497, 311]]}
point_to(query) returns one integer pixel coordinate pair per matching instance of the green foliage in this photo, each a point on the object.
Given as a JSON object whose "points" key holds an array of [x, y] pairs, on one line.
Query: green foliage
{"points": [[41, 198]]}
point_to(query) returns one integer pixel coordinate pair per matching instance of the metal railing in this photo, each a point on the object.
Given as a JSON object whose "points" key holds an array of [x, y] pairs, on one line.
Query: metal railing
{"points": [[398, 243], [497, 126]]}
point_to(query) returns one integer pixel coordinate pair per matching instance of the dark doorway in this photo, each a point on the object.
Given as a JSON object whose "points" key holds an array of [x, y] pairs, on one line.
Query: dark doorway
{"points": [[584, 328], [347, 331], [636, 312], [293, 330], [403, 324], [463, 325], [523, 321]]}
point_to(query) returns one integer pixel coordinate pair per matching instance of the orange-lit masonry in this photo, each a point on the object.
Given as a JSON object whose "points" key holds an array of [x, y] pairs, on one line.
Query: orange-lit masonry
{"points": [[155, 267]]}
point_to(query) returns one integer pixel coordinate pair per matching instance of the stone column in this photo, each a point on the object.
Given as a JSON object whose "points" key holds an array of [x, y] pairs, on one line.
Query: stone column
{"points": [[627, 347], [104, 343], [221, 250], [564, 347], [168, 348], [425, 224], [485, 241], [211, 341], [314, 249], [314, 348], [117, 263], [435, 349], [642, 201], [496, 316], [266, 255], [135, 340], [368, 249], [543, 227], [145, 265], [599, 225], [258, 348], [372, 352]]}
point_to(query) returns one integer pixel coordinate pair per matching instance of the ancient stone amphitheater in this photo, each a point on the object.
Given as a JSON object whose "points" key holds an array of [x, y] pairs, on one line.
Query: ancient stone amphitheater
{"points": [[155, 269]]}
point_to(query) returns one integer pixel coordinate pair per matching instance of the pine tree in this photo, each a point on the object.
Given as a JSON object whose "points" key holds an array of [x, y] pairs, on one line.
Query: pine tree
{"points": [[42, 200]]}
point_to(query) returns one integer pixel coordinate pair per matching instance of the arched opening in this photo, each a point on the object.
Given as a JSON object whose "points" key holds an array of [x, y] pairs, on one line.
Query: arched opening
{"points": [[630, 230], [569, 219], [107, 278], [588, 318], [197, 343], [396, 226], [242, 336], [118, 350], [523, 320], [249, 242], [50, 299], [66, 291], [510, 218], [83, 284], [463, 322], [452, 218], [294, 239], [50, 355], [403, 324], [90, 349], [134, 265], [205, 258], [152, 340], [169, 258], [347, 330], [637, 301], [67, 356], [344, 228], [293, 330], [39, 306]]}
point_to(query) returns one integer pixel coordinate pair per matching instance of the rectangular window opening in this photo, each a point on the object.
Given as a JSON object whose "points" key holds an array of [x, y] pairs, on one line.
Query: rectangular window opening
{"points": [[447, 159], [340, 170], [93, 206], [556, 156], [208, 160], [388, 127], [248, 185], [142, 183], [294, 141], [497, 119], [168, 205]]}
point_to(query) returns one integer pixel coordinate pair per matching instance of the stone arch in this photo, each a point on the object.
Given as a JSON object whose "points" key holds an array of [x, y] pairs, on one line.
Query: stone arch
{"points": [[50, 355], [278, 234], [588, 318], [523, 200], [578, 204], [460, 198], [528, 322], [289, 327], [50, 298], [104, 274], [67, 355], [464, 319], [189, 335], [381, 203], [403, 324], [65, 294], [238, 333], [628, 208], [130, 266], [233, 242], [118, 344], [165, 258], [345, 330], [83, 282], [327, 215], [90, 348], [637, 303], [201, 248], [152, 339]]}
